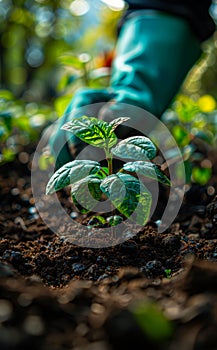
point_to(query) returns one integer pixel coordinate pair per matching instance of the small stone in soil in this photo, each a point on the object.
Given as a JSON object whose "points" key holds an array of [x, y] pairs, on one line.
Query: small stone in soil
{"points": [[158, 223], [129, 246], [210, 190], [15, 191], [153, 267], [16, 256], [171, 243], [200, 210], [209, 225], [6, 270], [25, 198], [78, 268], [101, 260], [73, 215], [35, 216], [32, 210], [92, 268], [73, 258], [102, 277]]}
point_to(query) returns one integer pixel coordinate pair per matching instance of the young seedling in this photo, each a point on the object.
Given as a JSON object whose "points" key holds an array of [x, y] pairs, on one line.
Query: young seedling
{"points": [[90, 181]]}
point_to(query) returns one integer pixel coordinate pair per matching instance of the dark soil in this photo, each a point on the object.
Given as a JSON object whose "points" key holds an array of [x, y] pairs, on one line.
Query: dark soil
{"points": [[57, 295]]}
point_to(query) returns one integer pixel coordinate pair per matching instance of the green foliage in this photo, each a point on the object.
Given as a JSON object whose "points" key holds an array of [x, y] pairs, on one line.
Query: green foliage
{"points": [[87, 191], [33, 35], [92, 131], [45, 160], [153, 322], [70, 173], [38, 37], [20, 123], [201, 175], [128, 196], [90, 182], [147, 169], [114, 220], [81, 70], [168, 273], [135, 147], [193, 124]]}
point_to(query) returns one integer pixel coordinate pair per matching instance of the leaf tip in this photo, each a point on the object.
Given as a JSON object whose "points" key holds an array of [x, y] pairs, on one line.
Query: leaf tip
{"points": [[49, 189]]}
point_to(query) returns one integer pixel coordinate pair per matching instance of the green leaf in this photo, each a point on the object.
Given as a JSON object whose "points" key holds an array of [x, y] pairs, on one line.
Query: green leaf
{"points": [[61, 103], [186, 109], [114, 220], [147, 169], [136, 148], [181, 135], [102, 173], [92, 131], [3, 133], [188, 171], [153, 322], [6, 95], [96, 221], [201, 175], [80, 208], [116, 122], [86, 192], [45, 161], [206, 136], [71, 60], [8, 154], [23, 123], [70, 173], [128, 195]]}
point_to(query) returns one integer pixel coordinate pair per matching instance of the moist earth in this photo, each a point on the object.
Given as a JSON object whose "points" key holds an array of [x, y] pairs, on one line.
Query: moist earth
{"points": [[58, 295]]}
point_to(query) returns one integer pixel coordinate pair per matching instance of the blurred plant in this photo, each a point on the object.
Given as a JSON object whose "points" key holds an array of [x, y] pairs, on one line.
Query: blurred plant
{"points": [[20, 124], [34, 34], [152, 321], [168, 273], [82, 70], [193, 123]]}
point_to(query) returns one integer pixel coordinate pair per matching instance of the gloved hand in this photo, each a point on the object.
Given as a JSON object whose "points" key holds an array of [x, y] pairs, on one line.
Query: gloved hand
{"points": [[154, 53]]}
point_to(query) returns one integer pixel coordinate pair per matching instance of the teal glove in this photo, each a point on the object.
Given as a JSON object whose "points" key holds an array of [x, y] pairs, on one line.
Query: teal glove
{"points": [[154, 53]]}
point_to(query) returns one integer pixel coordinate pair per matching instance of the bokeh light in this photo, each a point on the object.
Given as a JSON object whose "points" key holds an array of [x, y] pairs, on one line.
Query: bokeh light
{"points": [[79, 7], [115, 5]]}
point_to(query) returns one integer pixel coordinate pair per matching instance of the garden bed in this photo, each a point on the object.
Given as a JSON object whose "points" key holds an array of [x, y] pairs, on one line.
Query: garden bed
{"points": [[56, 295]]}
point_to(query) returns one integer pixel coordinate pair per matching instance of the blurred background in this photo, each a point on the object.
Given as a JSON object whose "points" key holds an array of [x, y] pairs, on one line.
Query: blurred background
{"points": [[51, 48], [35, 35], [48, 50]]}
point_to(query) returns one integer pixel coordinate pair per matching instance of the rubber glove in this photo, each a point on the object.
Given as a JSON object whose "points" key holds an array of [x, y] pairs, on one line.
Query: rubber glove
{"points": [[154, 53], [64, 145]]}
